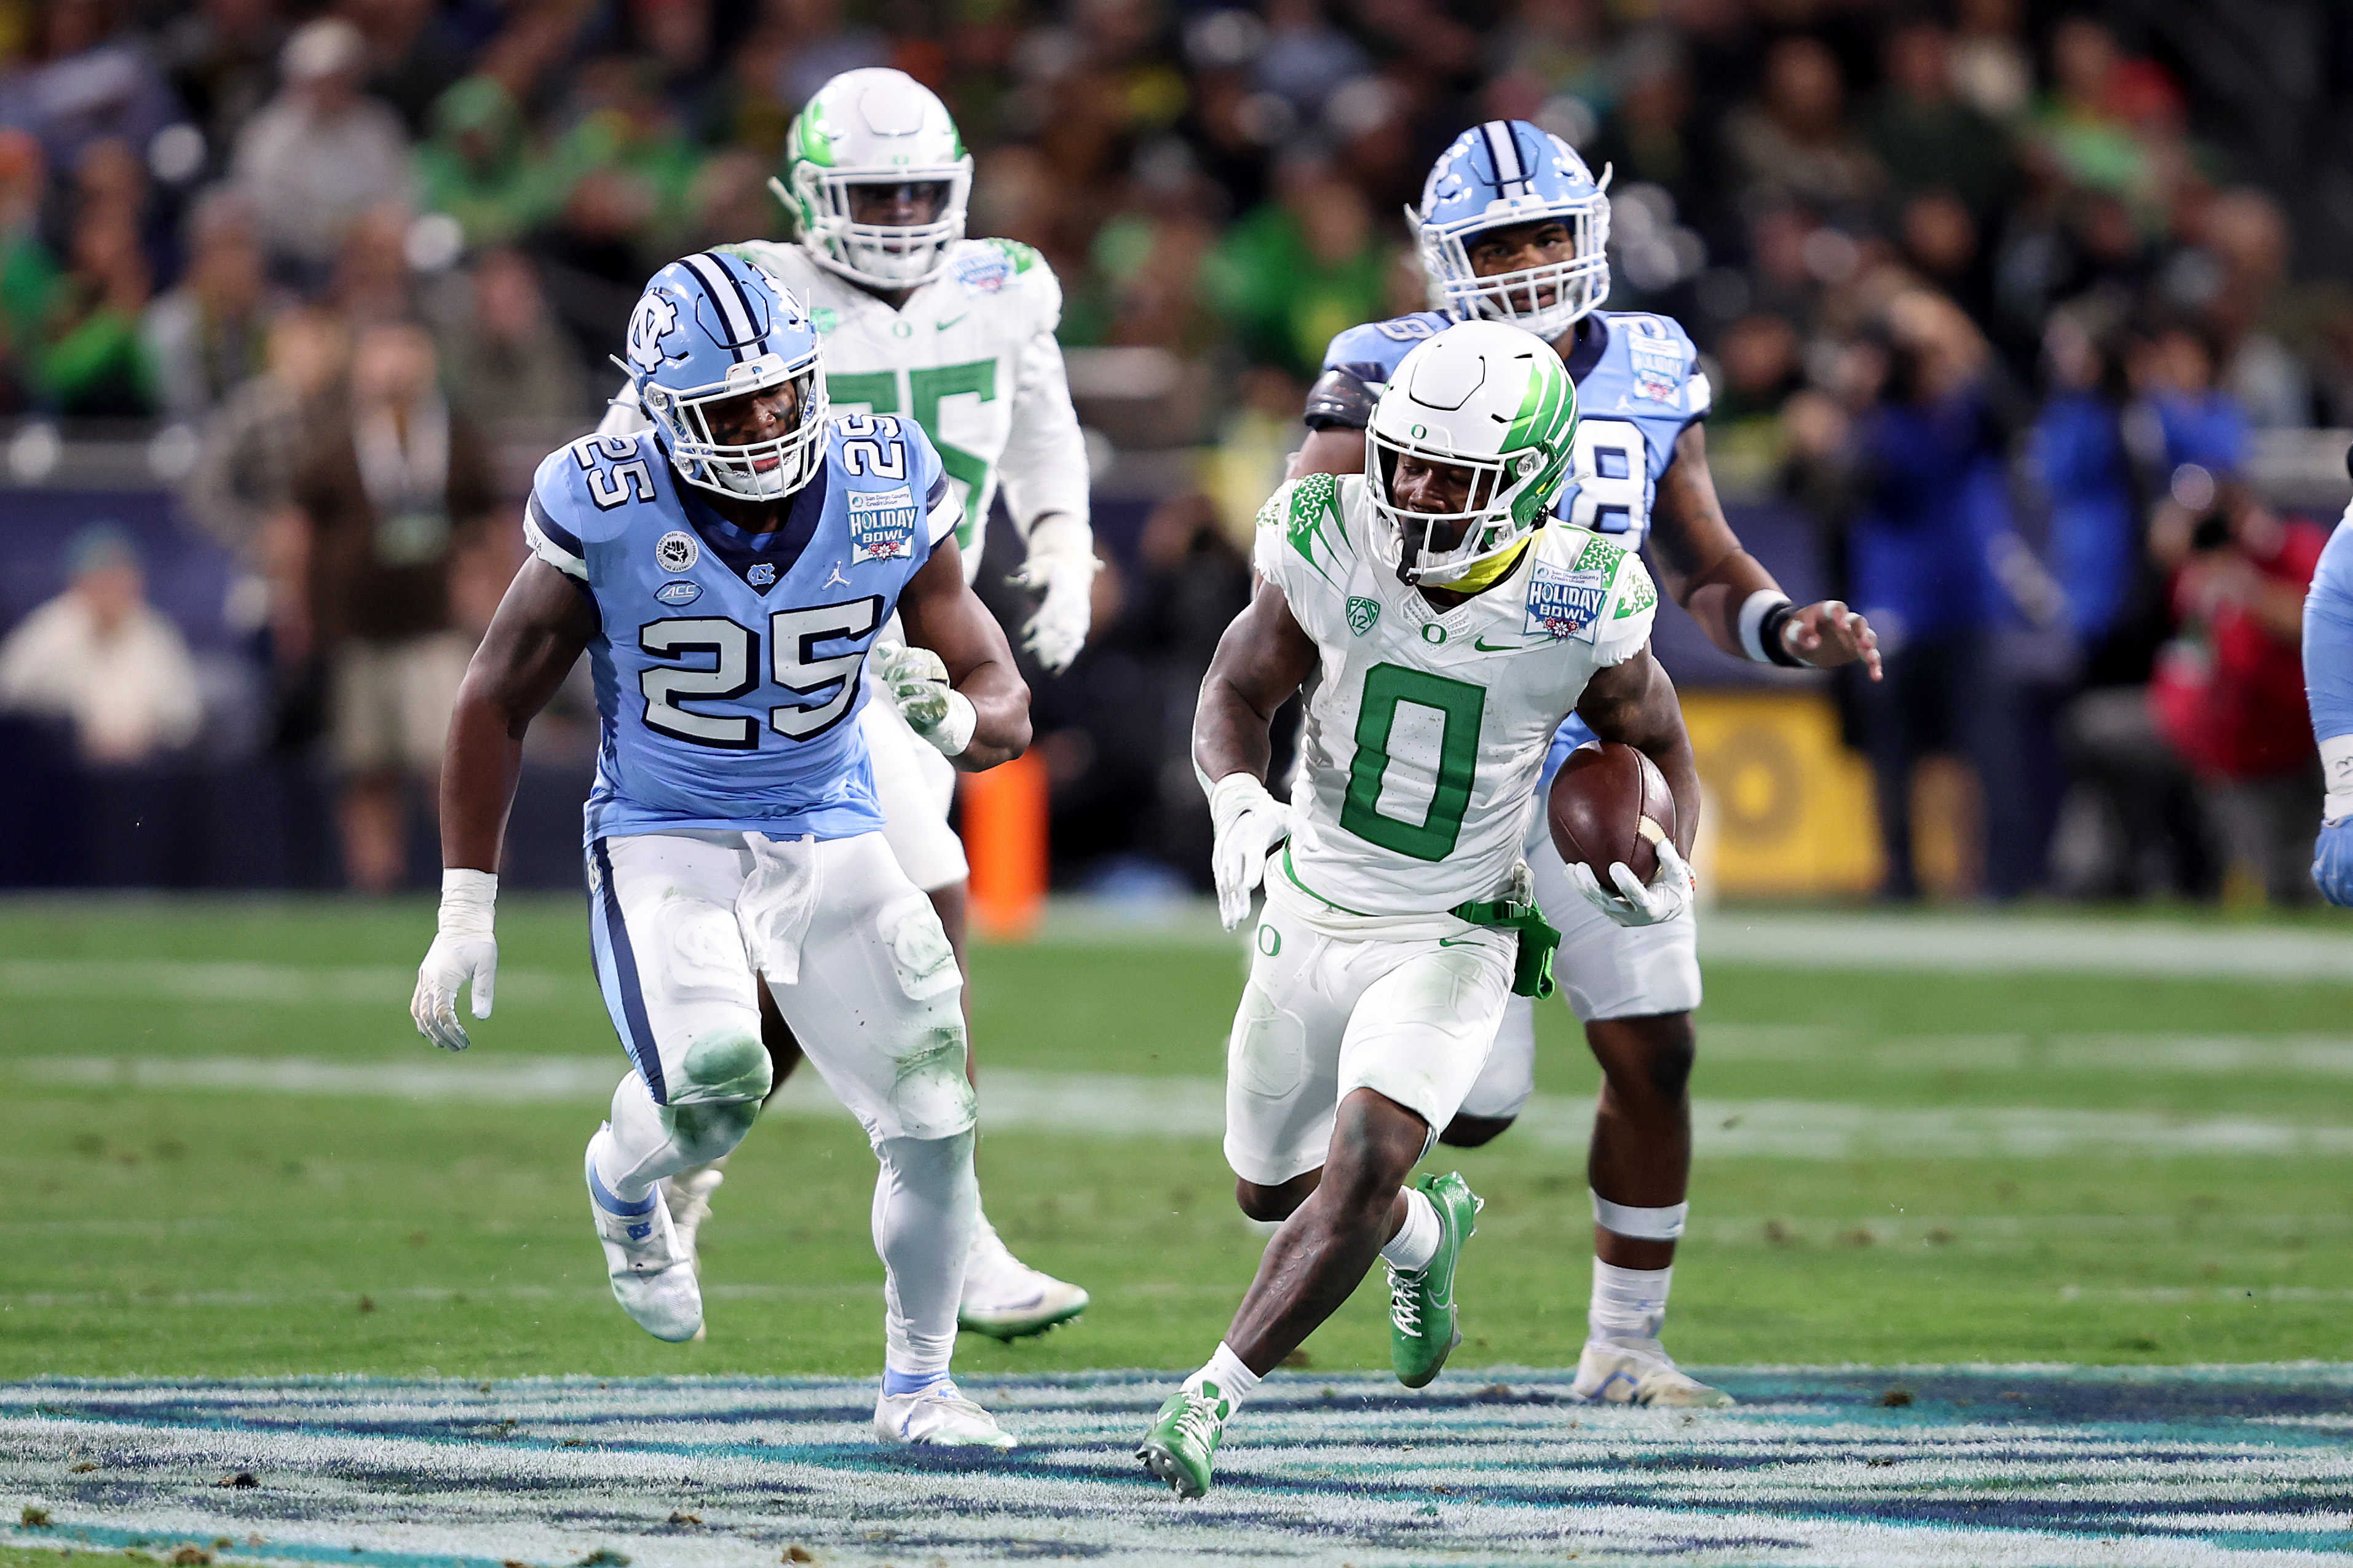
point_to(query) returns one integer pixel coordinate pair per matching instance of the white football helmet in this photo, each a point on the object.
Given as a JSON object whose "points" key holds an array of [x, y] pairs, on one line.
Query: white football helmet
{"points": [[875, 127], [1484, 396]]}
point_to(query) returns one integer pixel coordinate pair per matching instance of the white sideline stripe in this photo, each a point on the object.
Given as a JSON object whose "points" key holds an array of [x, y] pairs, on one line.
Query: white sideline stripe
{"points": [[276, 985], [2318, 1055], [1119, 1106], [2023, 945]]}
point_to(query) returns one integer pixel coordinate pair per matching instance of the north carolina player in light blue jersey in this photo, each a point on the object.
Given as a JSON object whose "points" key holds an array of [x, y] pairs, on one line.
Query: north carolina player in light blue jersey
{"points": [[2328, 692], [727, 573], [1513, 226]]}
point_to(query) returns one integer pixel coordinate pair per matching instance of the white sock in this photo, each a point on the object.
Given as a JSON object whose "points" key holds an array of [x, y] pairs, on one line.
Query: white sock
{"points": [[1234, 1381], [1416, 1242], [1628, 1303], [925, 1199], [637, 1149]]}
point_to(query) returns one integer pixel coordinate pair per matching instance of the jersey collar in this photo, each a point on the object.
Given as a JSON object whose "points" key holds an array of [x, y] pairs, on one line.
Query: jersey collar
{"points": [[1592, 343], [779, 550]]}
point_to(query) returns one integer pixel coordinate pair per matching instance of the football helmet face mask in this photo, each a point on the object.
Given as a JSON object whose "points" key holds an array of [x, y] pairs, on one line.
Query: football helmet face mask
{"points": [[1501, 175], [710, 328], [882, 128], [1482, 397]]}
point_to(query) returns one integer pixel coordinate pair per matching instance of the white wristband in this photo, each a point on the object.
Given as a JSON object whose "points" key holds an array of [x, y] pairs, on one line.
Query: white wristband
{"points": [[1058, 536], [1753, 612], [468, 901], [2337, 769], [953, 733]]}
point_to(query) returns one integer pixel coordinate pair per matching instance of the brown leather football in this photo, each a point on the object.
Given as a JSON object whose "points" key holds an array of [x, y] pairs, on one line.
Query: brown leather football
{"points": [[1608, 803]]}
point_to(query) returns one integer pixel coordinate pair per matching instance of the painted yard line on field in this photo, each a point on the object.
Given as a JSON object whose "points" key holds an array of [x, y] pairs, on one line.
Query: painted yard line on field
{"points": [[2198, 1055], [1879, 940], [260, 984], [1117, 1106], [2131, 1468]]}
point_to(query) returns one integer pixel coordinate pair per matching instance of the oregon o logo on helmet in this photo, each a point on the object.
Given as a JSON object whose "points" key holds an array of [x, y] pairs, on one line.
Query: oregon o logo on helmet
{"points": [[1419, 431]]}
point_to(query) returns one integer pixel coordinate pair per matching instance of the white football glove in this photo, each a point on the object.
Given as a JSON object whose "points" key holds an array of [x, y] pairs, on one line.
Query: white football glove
{"points": [[1062, 567], [1248, 822], [463, 951], [1668, 893], [917, 681]]}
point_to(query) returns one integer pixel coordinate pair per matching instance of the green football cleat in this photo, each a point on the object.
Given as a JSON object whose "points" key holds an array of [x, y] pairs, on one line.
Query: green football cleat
{"points": [[1421, 1301], [1184, 1436]]}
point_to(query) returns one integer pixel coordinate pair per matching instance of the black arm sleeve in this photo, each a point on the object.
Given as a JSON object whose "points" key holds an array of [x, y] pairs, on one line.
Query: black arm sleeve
{"points": [[1338, 401]]}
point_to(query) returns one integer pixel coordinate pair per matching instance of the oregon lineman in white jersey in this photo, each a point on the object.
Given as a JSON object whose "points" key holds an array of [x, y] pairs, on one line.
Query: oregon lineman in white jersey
{"points": [[958, 334], [1513, 227], [1452, 624]]}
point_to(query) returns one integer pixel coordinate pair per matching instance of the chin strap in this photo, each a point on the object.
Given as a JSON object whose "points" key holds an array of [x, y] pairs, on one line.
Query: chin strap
{"points": [[1488, 573]]}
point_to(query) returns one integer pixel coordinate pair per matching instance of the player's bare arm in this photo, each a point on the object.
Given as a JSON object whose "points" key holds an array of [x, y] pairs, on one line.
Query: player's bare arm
{"points": [[541, 626], [1635, 702], [947, 617], [1261, 659], [1704, 569]]}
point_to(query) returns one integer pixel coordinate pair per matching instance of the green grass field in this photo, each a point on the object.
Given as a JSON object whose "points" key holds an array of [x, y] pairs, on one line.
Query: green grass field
{"points": [[1898, 1166]]}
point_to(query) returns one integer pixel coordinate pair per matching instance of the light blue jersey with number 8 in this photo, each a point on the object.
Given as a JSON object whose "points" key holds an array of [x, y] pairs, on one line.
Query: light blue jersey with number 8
{"points": [[727, 664]]}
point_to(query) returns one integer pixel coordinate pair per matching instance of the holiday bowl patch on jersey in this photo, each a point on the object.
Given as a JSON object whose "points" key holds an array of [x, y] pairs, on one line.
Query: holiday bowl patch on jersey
{"points": [[882, 524], [1566, 602]]}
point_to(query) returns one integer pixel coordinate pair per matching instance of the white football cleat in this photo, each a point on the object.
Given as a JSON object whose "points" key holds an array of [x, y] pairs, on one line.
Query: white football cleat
{"points": [[1639, 1371], [1005, 1299], [940, 1417], [652, 1276]]}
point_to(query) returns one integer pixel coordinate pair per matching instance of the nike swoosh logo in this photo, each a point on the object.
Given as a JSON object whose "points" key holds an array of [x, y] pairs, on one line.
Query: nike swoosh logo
{"points": [[944, 326], [1456, 941], [1483, 645]]}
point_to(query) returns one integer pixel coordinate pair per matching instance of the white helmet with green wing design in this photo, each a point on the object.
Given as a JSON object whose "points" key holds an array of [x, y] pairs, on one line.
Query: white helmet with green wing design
{"points": [[1488, 402], [878, 178]]}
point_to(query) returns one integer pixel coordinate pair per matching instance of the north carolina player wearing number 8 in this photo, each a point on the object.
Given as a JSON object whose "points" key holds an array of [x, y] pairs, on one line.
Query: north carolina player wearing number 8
{"points": [[729, 575], [1452, 626], [957, 334], [1513, 227]]}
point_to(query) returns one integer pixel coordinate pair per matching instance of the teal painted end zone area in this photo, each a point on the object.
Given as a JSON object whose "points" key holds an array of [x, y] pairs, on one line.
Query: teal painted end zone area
{"points": [[2238, 1466]]}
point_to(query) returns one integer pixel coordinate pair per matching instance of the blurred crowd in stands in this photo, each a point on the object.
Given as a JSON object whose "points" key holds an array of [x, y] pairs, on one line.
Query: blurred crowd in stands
{"points": [[1999, 297]]}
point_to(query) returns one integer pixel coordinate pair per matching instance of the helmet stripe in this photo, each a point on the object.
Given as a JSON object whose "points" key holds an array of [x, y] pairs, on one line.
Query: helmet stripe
{"points": [[1505, 150], [724, 293]]}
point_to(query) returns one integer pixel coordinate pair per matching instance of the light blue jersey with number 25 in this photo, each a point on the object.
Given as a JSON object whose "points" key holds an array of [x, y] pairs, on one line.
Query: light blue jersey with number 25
{"points": [[727, 664]]}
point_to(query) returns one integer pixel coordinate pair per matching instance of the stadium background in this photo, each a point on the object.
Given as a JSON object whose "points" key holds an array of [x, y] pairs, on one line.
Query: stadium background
{"points": [[2140, 211]]}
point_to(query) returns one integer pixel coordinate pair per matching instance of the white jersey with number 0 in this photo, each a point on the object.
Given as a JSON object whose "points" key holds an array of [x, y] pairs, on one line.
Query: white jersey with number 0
{"points": [[1427, 730], [971, 357]]}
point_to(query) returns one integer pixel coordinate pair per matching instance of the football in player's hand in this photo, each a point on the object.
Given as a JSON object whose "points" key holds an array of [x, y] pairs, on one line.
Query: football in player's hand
{"points": [[1610, 803]]}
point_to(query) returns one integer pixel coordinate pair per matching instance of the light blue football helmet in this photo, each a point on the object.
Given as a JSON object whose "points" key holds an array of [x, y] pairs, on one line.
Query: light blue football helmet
{"points": [[711, 327], [1503, 172]]}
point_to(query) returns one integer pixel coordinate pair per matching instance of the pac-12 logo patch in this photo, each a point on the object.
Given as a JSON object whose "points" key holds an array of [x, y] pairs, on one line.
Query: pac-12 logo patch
{"points": [[1565, 603], [1362, 614], [677, 551], [679, 591], [882, 524]]}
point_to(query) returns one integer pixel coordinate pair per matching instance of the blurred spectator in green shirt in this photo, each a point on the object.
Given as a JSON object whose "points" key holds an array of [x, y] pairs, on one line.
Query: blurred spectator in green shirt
{"points": [[1302, 269]]}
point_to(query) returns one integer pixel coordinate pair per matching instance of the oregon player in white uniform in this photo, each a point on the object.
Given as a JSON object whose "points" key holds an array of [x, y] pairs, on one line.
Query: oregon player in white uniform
{"points": [[958, 333], [1452, 624]]}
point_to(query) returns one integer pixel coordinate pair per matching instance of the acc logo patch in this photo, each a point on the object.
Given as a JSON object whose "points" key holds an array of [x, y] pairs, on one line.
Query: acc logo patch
{"points": [[985, 272], [762, 575], [680, 592], [882, 524], [677, 551], [1565, 603], [656, 319], [1362, 614]]}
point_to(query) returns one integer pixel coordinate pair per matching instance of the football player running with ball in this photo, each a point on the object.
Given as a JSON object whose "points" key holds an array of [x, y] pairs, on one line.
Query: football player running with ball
{"points": [[1513, 227], [957, 334], [1453, 622], [729, 573]]}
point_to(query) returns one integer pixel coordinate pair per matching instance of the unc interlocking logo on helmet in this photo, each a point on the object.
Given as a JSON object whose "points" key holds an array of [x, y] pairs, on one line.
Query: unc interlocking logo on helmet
{"points": [[655, 319]]}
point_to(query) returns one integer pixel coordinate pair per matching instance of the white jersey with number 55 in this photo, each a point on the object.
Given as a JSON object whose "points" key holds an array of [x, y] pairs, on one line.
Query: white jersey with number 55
{"points": [[1427, 730], [971, 357]]}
